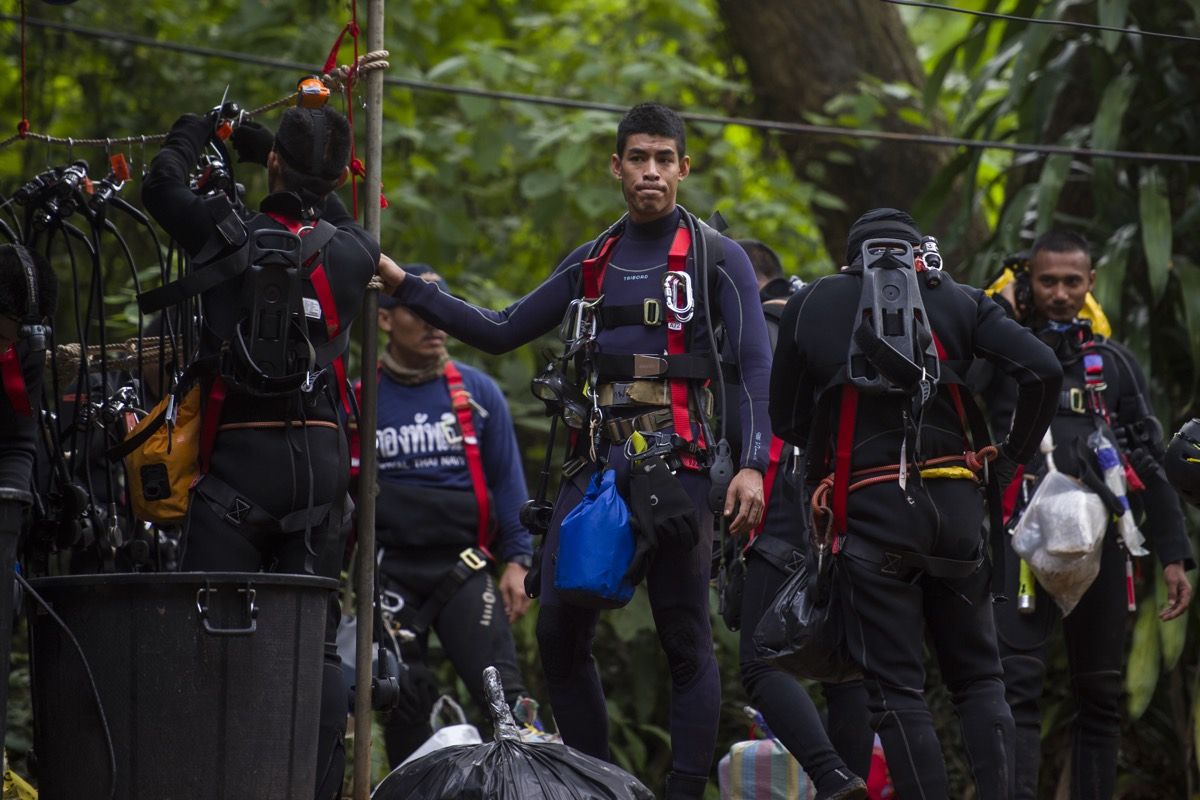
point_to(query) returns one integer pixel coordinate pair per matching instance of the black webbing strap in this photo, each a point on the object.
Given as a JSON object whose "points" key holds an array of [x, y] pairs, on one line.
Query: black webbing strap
{"points": [[469, 562], [200, 280], [907, 565], [687, 366], [780, 553], [648, 314], [241, 512]]}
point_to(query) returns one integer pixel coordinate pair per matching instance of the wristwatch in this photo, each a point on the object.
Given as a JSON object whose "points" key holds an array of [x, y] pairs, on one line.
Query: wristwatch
{"points": [[522, 560]]}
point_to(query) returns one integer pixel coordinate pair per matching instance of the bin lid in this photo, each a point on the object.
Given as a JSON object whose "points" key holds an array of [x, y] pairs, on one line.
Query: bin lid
{"points": [[186, 578]]}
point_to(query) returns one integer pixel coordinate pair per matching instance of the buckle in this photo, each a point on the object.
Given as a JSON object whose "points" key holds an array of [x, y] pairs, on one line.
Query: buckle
{"points": [[472, 559], [1075, 400], [647, 366], [652, 314]]}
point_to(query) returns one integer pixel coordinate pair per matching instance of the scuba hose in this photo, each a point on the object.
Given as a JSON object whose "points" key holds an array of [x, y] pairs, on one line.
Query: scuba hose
{"points": [[721, 470]]}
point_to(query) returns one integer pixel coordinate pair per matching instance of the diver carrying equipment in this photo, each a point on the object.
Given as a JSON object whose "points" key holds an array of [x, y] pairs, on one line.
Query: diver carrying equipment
{"points": [[892, 350], [596, 547]]}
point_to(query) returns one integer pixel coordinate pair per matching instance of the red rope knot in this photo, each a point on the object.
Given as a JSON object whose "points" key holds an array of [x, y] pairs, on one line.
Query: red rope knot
{"points": [[352, 28], [357, 168], [23, 128], [976, 460]]}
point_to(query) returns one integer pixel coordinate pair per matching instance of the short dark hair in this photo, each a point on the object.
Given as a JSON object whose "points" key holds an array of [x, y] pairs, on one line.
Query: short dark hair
{"points": [[762, 258], [14, 289], [313, 145], [1060, 240], [654, 119]]}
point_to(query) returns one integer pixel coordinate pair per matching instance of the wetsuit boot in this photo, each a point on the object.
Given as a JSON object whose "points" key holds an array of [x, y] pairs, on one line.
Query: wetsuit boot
{"points": [[840, 784], [685, 787]]}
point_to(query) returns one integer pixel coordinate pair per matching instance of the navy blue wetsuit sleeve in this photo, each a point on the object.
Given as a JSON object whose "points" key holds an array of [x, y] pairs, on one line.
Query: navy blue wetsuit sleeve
{"points": [[505, 476], [791, 402], [737, 292], [1164, 523], [1014, 349], [497, 331]]}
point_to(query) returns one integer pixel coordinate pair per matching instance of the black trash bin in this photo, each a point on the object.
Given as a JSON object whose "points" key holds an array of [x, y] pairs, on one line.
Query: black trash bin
{"points": [[210, 685]]}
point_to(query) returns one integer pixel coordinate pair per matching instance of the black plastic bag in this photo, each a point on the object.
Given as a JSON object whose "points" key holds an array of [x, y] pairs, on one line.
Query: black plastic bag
{"points": [[803, 631], [509, 769]]}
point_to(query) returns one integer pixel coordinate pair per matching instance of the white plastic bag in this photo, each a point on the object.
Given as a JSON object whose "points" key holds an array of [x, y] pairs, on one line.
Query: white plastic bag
{"points": [[460, 732], [1060, 534]]}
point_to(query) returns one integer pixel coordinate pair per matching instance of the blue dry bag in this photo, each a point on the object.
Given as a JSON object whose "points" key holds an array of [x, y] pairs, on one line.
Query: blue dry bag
{"points": [[595, 546]]}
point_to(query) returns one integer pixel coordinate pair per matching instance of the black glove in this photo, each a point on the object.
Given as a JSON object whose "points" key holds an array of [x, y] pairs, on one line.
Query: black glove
{"points": [[645, 537], [253, 142], [1145, 464], [1004, 468], [194, 129], [419, 690]]}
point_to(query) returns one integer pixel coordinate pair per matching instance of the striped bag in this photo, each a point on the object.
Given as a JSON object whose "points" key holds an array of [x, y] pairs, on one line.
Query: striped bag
{"points": [[761, 769]]}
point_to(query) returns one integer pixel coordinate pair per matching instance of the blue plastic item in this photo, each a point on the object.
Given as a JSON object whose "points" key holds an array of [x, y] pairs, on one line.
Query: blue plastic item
{"points": [[595, 546]]}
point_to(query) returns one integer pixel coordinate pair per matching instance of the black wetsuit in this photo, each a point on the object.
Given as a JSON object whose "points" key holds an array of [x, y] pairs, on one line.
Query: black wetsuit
{"points": [[678, 579], [777, 548], [1097, 628], [20, 403], [279, 453], [885, 615]]}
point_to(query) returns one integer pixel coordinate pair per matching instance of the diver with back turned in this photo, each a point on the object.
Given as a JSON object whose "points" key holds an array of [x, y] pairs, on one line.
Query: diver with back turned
{"points": [[867, 379]]}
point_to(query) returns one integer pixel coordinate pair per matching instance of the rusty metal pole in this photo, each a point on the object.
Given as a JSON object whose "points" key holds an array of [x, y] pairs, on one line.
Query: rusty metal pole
{"points": [[364, 570]]}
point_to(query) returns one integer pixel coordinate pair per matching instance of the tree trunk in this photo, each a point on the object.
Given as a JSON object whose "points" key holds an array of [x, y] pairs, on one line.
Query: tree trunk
{"points": [[800, 54]]}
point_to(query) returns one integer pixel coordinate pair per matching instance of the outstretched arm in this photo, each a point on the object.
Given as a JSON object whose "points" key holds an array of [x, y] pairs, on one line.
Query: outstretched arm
{"points": [[484, 329]]}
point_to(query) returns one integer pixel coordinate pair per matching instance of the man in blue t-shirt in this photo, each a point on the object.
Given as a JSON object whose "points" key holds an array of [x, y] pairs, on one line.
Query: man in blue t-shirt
{"points": [[451, 488]]}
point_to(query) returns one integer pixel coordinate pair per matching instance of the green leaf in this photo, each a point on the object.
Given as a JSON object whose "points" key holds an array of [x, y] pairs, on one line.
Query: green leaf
{"points": [[1189, 277], [540, 183], [1112, 13], [1155, 211], [1141, 674], [1050, 184], [1106, 127], [1172, 634], [1111, 268]]}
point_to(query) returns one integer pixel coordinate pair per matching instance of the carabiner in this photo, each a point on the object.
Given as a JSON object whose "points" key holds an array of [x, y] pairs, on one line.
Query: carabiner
{"points": [[579, 323], [677, 291]]}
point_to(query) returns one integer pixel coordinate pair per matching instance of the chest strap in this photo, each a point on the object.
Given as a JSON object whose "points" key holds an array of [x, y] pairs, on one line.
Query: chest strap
{"points": [[14, 382], [460, 399]]}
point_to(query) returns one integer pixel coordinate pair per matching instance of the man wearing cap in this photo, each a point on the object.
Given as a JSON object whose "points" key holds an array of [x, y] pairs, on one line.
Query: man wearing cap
{"points": [[451, 487], [272, 492], [906, 510]]}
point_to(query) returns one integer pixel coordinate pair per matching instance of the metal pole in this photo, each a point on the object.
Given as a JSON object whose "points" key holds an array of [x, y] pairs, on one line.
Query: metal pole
{"points": [[364, 571]]}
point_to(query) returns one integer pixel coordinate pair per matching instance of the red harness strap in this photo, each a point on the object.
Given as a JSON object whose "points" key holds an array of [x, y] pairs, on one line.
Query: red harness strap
{"points": [[847, 418], [461, 400], [210, 423], [776, 454], [593, 283], [593, 269], [329, 312], [677, 345], [14, 382]]}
